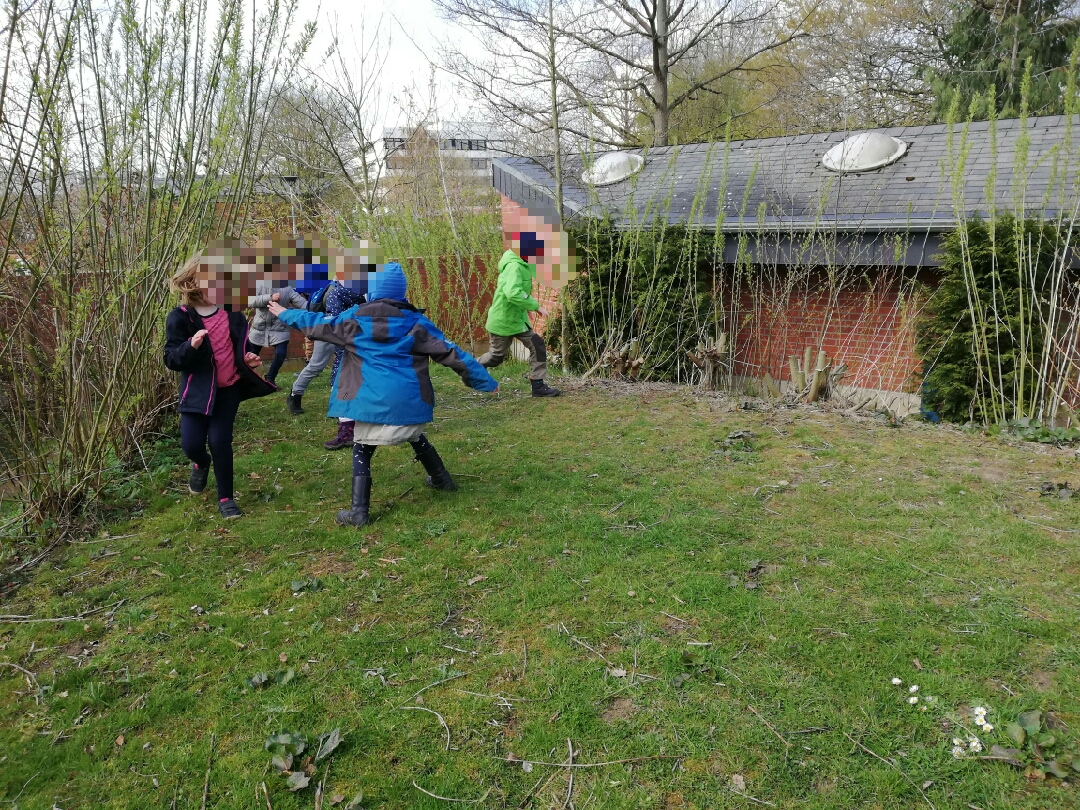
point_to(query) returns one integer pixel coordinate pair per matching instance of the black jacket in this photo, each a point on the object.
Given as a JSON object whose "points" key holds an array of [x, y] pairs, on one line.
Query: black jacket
{"points": [[198, 374]]}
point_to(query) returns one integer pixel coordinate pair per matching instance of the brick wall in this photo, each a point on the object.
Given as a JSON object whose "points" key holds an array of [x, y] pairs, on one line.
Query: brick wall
{"points": [[868, 325]]}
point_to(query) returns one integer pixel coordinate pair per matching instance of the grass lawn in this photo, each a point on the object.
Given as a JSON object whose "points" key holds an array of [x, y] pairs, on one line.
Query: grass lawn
{"points": [[616, 579]]}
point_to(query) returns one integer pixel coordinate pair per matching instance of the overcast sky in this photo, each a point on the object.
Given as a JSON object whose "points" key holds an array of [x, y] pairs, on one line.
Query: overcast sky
{"points": [[414, 30]]}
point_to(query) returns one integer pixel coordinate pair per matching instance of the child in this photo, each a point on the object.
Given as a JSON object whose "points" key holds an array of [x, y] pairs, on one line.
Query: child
{"points": [[205, 343], [266, 330], [353, 264], [508, 318], [383, 383]]}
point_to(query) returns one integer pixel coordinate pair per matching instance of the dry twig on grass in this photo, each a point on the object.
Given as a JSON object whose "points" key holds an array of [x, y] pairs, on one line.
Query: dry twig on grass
{"points": [[209, 765], [768, 725], [442, 721], [882, 759], [30, 677], [591, 764], [570, 761], [448, 799]]}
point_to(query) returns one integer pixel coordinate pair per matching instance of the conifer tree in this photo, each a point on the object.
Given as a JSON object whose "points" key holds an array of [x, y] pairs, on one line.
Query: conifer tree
{"points": [[989, 47]]}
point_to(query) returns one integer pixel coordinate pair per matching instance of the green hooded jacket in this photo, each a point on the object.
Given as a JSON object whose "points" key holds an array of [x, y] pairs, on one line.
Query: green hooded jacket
{"points": [[513, 297]]}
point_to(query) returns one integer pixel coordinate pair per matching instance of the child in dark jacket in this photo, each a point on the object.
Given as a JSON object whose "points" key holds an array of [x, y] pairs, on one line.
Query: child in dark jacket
{"points": [[383, 383], [206, 344]]}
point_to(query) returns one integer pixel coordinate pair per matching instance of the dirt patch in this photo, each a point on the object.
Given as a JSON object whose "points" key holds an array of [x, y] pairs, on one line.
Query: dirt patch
{"points": [[1042, 681], [673, 626], [328, 563], [620, 709]]}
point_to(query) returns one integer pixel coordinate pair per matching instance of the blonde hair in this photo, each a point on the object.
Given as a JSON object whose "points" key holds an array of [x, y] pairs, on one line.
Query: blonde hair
{"points": [[185, 282]]}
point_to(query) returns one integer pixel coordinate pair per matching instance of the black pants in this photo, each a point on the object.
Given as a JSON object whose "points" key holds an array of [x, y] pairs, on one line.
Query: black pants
{"points": [[216, 430], [281, 351]]}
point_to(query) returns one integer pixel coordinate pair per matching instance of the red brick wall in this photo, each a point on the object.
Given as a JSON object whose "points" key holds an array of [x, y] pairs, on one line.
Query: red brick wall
{"points": [[868, 325]]}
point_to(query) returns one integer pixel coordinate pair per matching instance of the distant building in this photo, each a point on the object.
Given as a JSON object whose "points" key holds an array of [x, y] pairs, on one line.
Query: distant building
{"points": [[468, 147]]}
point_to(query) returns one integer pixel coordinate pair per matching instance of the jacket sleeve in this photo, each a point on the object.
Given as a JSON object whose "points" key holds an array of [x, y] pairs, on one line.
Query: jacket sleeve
{"points": [[179, 354], [341, 330], [518, 291], [428, 341], [292, 299]]}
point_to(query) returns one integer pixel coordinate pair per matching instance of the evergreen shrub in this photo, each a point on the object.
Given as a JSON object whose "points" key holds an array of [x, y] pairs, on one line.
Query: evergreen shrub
{"points": [[649, 285], [987, 320]]}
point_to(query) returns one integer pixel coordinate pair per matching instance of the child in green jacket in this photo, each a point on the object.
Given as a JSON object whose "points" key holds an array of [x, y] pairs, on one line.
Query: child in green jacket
{"points": [[508, 318]]}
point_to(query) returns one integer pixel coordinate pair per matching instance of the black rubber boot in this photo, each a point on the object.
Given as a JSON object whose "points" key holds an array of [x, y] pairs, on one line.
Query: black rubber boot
{"points": [[542, 389], [292, 402], [438, 477], [344, 437], [361, 502]]}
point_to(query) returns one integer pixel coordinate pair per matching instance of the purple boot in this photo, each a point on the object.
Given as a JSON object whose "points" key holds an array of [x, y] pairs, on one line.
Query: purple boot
{"points": [[344, 436]]}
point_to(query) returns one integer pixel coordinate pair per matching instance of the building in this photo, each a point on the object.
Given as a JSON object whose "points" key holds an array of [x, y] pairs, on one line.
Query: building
{"points": [[468, 146], [871, 208]]}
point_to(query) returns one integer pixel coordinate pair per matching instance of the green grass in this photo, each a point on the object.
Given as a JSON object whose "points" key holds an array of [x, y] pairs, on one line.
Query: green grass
{"points": [[599, 532]]}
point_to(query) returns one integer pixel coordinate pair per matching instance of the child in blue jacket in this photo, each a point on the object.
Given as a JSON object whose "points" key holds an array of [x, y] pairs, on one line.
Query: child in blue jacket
{"points": [[383, 382]]}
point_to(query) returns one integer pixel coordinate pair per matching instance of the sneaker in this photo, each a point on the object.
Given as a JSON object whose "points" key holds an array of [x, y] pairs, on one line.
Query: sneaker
{"points": [[197, 480], [542, 389], [229, 509]]}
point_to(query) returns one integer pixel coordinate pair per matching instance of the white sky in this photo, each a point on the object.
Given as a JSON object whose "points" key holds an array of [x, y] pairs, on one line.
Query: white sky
{"points": [[414, 29]]}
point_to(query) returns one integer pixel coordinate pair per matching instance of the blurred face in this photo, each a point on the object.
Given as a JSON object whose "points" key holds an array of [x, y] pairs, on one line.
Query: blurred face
{"points": [[357, 263], [227, 275], [300, 262], [273, 259], [542, 243]]}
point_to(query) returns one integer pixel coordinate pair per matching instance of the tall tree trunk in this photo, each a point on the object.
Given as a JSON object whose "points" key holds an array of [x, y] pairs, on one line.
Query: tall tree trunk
{"points": [[555, 131], [661, 113]]}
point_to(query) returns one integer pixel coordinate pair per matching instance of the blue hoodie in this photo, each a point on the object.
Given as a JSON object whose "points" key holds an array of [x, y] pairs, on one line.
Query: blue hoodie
{"points": [[384, 371]]}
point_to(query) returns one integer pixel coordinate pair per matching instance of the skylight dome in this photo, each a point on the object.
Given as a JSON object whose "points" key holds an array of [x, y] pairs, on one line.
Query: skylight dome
{"points": [[864, 152], [611, 167]]}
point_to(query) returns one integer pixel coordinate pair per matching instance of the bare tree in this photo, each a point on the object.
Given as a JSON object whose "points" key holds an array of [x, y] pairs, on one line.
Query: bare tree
{"points": [[522, 79], [326, 131], [615, 60]]}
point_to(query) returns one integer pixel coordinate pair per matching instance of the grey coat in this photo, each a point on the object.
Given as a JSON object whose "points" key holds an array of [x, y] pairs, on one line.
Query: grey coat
{"points": [[266, 329]]}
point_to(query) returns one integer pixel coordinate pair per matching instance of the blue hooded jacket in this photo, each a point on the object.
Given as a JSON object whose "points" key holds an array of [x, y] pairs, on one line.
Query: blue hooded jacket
{"points": [[384, 372]]}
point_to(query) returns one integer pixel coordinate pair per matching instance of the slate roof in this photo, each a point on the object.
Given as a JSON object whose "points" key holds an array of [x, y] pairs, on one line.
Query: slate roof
{"points": [[780, 182]]}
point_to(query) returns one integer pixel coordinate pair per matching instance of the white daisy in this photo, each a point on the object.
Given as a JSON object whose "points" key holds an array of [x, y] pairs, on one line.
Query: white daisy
{"points": [[987, 728], [957, 741], [974, 745], [896, 681], [913, 688], [913, 700], [958, 751]]}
